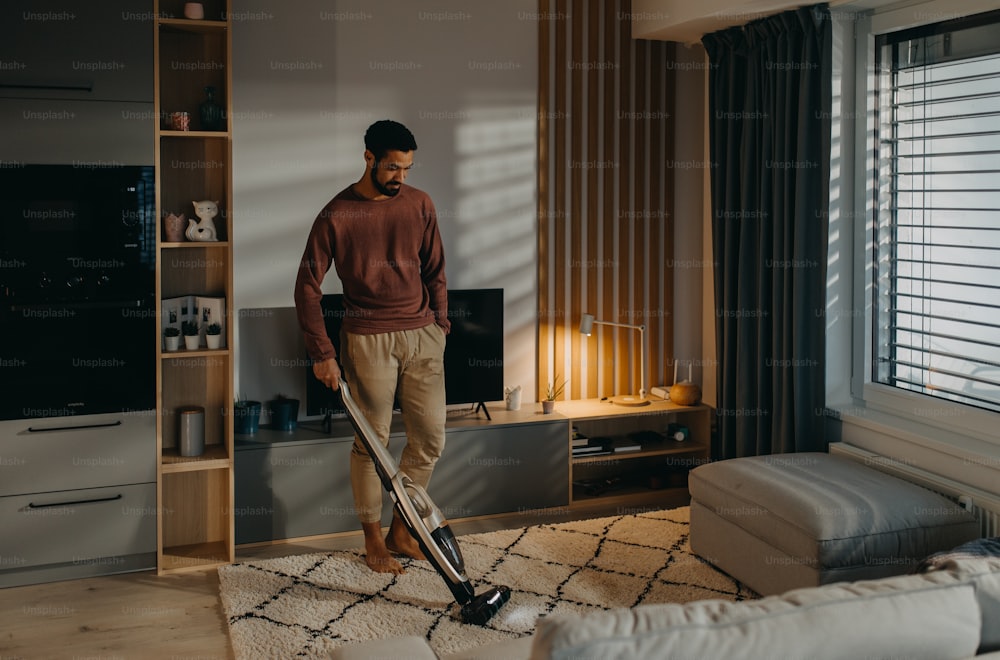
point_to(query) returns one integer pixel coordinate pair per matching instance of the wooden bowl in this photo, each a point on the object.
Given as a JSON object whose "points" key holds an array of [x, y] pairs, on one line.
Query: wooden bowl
{"points": [[685, 393]]}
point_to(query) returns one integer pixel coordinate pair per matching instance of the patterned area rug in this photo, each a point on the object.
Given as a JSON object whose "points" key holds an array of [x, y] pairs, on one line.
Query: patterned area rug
{"points": [[306, 605]]}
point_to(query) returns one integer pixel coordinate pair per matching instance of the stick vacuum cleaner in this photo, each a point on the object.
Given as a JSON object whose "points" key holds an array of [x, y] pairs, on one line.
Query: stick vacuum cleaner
{"points": [[426, 523]]}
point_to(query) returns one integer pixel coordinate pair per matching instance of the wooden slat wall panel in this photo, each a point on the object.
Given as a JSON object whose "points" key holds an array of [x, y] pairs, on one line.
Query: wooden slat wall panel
{"points": [[605, 236]]}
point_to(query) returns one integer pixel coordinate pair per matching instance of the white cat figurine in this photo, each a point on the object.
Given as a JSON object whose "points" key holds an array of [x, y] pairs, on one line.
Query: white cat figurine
{"points": [[204, 229]]}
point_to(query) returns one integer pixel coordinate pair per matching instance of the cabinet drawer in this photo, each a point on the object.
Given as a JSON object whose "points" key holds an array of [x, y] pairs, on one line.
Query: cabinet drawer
{"points": [[68, 453], [78, 526]]}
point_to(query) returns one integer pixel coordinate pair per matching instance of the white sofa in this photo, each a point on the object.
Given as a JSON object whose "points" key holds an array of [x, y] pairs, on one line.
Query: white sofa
{"points": [[951, 613]]}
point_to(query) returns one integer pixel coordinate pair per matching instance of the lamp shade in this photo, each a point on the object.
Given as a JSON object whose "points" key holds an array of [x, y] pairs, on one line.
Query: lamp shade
{"points": [[586, 324]]}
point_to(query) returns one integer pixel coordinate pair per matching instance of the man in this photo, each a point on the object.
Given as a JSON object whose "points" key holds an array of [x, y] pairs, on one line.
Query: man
{"points": [[382, 237]]}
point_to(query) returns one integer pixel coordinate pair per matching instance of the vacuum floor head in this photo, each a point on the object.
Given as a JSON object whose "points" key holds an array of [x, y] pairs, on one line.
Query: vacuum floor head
{"points": [[482, 608]]}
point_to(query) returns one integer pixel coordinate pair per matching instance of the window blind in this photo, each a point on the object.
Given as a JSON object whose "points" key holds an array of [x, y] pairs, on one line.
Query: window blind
{"points": [[937, 320]]}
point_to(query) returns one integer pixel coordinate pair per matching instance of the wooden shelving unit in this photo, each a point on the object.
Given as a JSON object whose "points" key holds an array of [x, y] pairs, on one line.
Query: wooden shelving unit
{"points": [[637, 476], [194, 493]]}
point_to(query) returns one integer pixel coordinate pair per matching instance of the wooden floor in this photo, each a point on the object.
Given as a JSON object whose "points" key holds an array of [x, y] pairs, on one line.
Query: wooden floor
{"points": [[144, 616]]}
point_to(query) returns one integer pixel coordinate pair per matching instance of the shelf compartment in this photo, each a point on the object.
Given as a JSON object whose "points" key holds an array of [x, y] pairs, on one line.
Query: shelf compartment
{"points": [[199, 271], [195, 170], [667, 448], [196, 381], [192, 55], [644, 476], [195, 519]]}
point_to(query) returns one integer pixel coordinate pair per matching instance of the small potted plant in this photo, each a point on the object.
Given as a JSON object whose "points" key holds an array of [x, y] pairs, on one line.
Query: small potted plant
{"points": [[213, 335], [284, 413], [553, 390], [171, 338], [190, 331], [246, 416]]}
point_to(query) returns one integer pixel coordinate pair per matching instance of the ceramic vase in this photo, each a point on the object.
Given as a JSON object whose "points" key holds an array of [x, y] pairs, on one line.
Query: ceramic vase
{"points": [[284, 414], [173, 228], [211, 114], [246, 417]]}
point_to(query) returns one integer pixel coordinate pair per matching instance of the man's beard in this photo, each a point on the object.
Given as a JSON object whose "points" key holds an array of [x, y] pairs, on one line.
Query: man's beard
{"points": [[384, 189]]}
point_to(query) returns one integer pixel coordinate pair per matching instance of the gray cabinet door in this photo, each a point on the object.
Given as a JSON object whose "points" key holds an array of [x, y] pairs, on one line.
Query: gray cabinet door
{"points": [[64, 453], [90, 526], [489, 470], [293, 490]]}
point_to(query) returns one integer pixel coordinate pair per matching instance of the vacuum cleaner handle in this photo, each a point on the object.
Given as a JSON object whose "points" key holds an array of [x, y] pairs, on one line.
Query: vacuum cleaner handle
{"points": [[379, 453], [423, 518], [426, 522]]}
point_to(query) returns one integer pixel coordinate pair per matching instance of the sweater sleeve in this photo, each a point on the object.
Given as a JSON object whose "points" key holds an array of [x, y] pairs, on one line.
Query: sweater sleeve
{"points": [[316, 261], [432, 269]]}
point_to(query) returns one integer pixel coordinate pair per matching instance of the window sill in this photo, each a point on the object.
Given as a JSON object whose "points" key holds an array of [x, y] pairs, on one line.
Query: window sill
{"points": [[957, 444]]}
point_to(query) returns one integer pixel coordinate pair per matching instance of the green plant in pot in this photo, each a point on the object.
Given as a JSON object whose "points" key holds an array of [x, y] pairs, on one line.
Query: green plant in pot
{"points": [[554, 389], [284, 413], [213, 335], [246, 416], [190, 331], [171, 338]]}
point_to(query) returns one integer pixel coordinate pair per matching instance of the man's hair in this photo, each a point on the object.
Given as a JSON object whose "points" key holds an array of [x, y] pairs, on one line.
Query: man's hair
{"points": [[387, 135]]}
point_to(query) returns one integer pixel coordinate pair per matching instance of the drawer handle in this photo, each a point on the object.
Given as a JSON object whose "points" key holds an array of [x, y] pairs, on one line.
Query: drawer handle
{"points": [[32, 505], [77, 427]]}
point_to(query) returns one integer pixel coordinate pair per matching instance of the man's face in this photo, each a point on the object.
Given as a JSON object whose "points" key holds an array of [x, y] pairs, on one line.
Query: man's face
{"points": [[389, 173]]}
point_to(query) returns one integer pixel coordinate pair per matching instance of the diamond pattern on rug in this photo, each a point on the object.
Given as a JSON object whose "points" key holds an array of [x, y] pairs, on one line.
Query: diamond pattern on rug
{"points": [[306, 605]]}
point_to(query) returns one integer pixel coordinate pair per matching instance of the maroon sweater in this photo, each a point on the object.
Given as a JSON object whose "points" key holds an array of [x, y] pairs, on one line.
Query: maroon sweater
{"points": [[390, 261]]}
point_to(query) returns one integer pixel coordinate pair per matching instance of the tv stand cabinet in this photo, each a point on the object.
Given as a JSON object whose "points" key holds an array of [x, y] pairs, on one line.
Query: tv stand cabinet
{"points": [[295, 485]]}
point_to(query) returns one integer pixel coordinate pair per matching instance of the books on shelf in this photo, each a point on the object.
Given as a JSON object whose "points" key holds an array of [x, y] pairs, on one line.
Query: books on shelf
{"points": [[590, 451], [203, 310], [593, 447]]}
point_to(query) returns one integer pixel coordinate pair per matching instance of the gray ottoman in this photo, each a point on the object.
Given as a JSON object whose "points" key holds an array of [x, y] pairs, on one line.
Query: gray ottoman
{"points": [[801, 520]]}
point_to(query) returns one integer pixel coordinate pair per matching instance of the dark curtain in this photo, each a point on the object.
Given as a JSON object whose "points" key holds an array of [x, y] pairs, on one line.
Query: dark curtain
{"points": [[769, 130]]}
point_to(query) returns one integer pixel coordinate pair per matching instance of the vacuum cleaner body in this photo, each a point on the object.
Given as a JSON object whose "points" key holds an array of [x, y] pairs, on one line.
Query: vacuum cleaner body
{"points": [[425, 522]]}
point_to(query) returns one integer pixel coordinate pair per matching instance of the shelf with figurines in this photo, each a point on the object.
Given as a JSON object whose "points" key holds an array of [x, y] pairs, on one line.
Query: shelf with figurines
{"points": [[194, 323], [181, 231]]}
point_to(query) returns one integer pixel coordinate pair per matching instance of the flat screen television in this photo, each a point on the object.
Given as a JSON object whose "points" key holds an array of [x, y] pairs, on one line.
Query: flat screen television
{"points": [[473, 356]]}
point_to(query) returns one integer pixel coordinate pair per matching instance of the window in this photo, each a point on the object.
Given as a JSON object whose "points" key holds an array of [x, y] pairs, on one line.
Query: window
{"points": [[937, 226]]}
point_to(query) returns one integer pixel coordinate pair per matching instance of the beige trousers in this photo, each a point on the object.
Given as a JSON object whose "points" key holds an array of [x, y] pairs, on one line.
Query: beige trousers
{"points": [[408, 364]]}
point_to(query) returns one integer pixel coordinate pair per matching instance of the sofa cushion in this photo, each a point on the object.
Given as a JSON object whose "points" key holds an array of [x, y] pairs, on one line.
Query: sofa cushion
{"points": [[979, 558], [830, 513], [988, 594], [933, 615], [984, 574]]}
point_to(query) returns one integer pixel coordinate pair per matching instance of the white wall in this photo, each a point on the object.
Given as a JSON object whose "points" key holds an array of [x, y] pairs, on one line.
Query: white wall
{"points": [[693, 312], [309, 77]]}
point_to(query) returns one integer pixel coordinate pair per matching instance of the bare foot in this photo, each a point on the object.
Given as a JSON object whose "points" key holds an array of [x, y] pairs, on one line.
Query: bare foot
{"points": [[400, 541], [377, 555]]}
